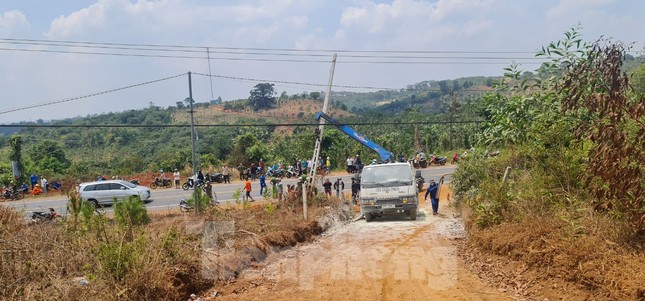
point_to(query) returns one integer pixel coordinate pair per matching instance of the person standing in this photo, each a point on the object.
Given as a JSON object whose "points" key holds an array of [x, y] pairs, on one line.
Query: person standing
{"points": [[34, 180], [357, 164], [241, 169], [274, 187], [208, 189], [350, 164], [327, 186], [356, 187], [262, 165], [432, 191], [200, 177], [254, 171], [226, 173], [247, 189], [177, 177], [43, 184], [280, 190], [263, 183]]}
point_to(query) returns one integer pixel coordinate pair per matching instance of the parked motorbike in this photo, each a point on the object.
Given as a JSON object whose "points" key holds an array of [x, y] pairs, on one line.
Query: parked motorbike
{"points": [[216, 178], [419, 180], [275, 173], [163, 183], [38, 217], [438, 160], [291, 172], [189, 184], [185, 207], [7, 194]]}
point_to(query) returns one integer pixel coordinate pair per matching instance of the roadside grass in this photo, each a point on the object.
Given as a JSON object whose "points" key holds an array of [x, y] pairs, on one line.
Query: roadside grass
{"points": [[98, 257], [541, 230]]}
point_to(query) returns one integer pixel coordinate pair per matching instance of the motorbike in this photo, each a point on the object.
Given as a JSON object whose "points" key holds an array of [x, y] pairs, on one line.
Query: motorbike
{"points": [[8, 194], [279, 173], [216, 178], [185, 207], [190, 184], [38, 217], [419, 180], [438, 160], [163, 183], [291, 172]]}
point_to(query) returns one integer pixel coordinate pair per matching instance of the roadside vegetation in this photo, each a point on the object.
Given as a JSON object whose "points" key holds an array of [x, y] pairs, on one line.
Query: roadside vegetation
{"points": [[132, 255], [565, 199]]}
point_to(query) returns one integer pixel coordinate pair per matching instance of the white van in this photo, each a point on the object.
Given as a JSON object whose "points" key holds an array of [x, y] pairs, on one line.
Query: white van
{"points": [[388, 188], [104, 192]]}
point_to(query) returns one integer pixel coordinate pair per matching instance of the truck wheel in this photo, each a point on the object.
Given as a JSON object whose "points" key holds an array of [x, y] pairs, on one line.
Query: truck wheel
{"points": [[369, 217], [413, 214]]}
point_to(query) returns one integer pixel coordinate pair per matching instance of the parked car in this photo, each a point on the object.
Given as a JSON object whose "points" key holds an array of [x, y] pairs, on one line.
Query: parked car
{"points": [[103, 192]]}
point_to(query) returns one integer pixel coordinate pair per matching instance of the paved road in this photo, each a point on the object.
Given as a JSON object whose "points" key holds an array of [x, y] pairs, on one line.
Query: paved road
{"points": [[169, 198]]}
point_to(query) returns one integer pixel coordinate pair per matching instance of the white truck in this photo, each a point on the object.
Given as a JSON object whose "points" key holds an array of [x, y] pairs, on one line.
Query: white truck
{"points": [[388, 188]]}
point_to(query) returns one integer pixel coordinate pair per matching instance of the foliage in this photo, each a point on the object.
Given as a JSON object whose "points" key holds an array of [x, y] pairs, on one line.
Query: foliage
{"points": [[262, 96], [16, 155], [130, 212], [595, 91], [48, 156]]}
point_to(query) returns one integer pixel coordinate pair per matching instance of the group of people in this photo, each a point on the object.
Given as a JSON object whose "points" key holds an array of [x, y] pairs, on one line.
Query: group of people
{"points": [[354, 164]]}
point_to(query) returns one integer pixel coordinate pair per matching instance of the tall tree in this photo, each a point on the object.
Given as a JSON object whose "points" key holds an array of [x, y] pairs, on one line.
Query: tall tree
{"points": [[262, 96]]}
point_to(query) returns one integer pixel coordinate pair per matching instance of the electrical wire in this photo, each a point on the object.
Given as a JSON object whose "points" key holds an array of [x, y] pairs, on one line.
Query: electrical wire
{"points": [[222, 125], [87, 95]]}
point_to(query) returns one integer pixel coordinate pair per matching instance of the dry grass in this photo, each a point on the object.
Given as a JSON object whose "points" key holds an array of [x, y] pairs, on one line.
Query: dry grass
{"points": [[555, 258], [164, 261]]}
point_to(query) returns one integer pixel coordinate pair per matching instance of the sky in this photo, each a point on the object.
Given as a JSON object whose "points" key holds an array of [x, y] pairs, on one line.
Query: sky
{"points": [[61, 59]]}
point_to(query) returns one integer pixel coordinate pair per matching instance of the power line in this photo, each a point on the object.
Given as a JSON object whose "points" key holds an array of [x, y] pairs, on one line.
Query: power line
{"points": [[87, 95], [320, 85], [400, 61], [221, 125], [156, 46]]}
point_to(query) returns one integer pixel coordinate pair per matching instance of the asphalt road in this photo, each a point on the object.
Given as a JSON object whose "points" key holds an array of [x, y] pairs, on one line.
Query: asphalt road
{"points": [[164, 199]]}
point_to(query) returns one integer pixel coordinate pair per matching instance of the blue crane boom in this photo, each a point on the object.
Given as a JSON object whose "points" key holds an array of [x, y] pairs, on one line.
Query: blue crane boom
{"points": [[386, 156]]}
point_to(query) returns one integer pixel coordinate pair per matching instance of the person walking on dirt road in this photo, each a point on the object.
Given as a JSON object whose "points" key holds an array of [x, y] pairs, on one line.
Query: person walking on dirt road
{"points": [[432, 191]]}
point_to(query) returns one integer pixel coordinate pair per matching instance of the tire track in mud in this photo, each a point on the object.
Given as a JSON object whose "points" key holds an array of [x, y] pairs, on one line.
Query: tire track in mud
{"points": [[388, 274]]}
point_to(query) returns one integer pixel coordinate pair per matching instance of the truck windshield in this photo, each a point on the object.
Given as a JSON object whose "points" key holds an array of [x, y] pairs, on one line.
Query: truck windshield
{"points": [[386, 176]]}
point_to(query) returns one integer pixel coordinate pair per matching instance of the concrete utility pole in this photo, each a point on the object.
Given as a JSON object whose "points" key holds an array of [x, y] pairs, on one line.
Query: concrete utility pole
{"points": [[192, 139], [321, 126]]}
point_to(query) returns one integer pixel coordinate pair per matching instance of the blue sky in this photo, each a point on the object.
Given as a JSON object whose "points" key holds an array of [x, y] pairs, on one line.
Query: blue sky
{"points": [[34, 74]]}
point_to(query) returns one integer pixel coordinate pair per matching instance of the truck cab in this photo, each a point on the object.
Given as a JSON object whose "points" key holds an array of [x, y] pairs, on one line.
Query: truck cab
{"points": [[388, 188]]}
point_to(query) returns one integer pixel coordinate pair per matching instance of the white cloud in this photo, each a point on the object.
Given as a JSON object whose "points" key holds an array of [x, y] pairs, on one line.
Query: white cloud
{"points": [[297, 22], [565, 7], [79, 22], [12, 20]]}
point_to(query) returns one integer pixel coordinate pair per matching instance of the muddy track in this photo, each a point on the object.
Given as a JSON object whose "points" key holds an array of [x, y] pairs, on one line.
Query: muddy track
{"points": [[392, 258]]}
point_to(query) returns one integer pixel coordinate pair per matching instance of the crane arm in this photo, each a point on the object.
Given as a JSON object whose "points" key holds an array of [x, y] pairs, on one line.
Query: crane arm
{"points": [[386, 156]]}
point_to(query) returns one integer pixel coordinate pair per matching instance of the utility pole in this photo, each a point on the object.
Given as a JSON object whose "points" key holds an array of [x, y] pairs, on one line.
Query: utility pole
{"points": [[192, 139], [321, 126]]}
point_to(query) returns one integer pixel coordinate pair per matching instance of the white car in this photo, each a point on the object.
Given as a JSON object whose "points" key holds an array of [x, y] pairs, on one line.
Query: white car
{"points": [[104, 192]]}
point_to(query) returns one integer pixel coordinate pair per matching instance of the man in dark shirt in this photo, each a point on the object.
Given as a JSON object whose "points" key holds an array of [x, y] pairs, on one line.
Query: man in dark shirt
{"points": [[432, 191]]}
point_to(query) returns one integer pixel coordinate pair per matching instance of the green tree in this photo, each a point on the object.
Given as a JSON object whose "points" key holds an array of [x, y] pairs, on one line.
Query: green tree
{"points": [[16, 154], [262, 96]]}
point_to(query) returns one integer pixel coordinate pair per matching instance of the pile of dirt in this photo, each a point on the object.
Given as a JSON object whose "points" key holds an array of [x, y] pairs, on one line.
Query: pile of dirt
{"points": [[544, 258]]}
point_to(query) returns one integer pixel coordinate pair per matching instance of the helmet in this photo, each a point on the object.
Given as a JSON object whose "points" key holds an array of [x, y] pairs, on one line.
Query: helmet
{"points": [[161, 170], [327, 157]]}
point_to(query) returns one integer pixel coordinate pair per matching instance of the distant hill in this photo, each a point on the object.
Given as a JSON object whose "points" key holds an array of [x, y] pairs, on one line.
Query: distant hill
{"points": [[428, 95]]}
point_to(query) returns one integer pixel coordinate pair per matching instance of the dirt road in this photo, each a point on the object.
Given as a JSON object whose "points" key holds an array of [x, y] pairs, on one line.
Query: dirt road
{"points": [[391, 258]]}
